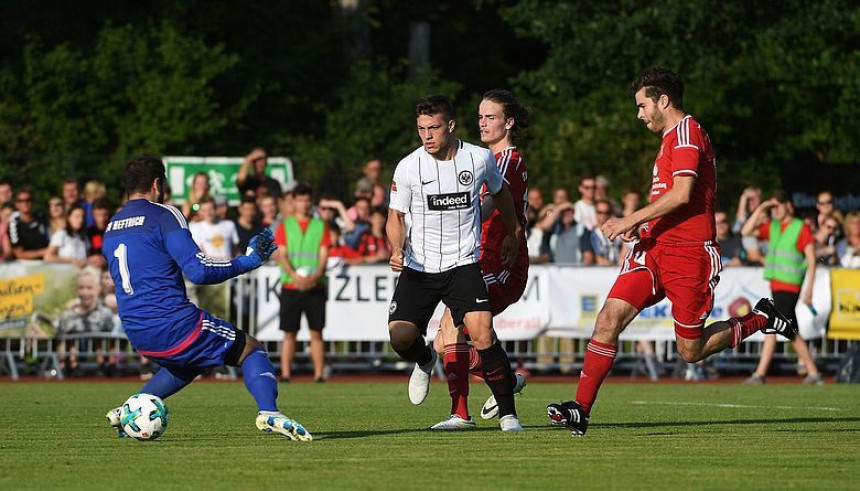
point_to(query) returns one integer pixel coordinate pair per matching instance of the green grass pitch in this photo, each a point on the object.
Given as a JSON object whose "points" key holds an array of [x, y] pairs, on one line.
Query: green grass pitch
{"points": [[368, 436]]}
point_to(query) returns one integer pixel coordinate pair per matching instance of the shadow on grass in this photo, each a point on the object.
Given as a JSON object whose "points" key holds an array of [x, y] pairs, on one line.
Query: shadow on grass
{"points": [[334, 435]]}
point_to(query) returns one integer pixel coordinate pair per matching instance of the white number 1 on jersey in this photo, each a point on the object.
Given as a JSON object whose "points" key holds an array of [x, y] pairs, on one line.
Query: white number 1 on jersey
{"points": [[121, 253]]}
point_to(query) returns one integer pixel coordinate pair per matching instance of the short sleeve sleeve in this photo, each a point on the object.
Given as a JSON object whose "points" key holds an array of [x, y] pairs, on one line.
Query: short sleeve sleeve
{"points": [[686, 154], [401, 190], [280, 235]]}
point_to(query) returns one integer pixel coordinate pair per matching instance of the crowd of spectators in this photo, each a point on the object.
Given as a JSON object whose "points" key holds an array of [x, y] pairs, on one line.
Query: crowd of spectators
{"points": [[68, 228], [564, 231]]}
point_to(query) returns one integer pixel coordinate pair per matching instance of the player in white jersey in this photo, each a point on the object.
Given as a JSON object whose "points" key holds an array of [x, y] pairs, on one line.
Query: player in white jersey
{"points": [[437, 187]]}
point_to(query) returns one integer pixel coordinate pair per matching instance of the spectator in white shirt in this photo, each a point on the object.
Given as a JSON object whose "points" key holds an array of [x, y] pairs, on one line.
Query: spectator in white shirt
{"points": [[69, 244], [216, 238]]}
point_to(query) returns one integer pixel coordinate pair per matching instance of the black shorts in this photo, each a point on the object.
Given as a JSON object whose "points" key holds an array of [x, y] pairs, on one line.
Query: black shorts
{"points": [[296, 302], [786, 302], [417, 294]]}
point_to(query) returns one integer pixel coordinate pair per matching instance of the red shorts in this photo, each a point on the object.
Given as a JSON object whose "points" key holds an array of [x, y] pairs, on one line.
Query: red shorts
{"points": [[505, 286], [686, 274]]}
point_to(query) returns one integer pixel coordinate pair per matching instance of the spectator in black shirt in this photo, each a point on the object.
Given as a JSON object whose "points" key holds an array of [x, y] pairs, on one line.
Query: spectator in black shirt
{"points": [[96, 232], [28, 235], [252, 175], [246, 223]]}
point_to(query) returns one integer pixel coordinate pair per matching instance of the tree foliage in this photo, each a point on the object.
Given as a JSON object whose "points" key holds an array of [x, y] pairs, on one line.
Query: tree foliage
{"points": [[777, 84]]}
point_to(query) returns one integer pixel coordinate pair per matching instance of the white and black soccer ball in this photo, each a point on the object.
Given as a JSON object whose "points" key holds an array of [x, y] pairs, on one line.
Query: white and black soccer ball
{"points": [[144, 417]]}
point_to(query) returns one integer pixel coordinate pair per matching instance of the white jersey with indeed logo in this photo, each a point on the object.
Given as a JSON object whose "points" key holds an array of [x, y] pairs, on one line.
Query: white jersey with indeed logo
{"points": [[441, 200]]}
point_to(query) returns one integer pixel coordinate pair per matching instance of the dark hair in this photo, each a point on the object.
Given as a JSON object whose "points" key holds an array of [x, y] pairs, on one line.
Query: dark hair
{"points": [[434, 104], [247, 199], [658, 81], [207, 199], [781, 196], [603, 201], [101, 204], [141, 171], [83, 231], [380, 210], [303, 189], [511, 108], [6, 181]]}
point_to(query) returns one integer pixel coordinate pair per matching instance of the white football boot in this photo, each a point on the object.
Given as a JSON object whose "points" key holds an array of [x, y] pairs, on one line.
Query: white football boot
{"points": [[453, 423], [270, 422], [114, 417], [419, 381], [510, 423], [490, 409]]}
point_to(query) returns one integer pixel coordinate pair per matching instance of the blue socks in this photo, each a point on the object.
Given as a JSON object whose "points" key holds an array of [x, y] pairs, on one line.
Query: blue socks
{"points": [[260, 380], [257, 371], [168, 381]]}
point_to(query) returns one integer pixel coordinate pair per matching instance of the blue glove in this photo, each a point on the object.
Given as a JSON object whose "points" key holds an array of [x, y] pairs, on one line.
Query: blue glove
{"points": [[262, 246]]}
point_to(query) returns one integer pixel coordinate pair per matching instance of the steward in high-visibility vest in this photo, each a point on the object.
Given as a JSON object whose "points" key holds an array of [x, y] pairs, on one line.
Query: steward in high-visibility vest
{"points": [[303, 243], [789, 263], [783, 261], [303, 247]]}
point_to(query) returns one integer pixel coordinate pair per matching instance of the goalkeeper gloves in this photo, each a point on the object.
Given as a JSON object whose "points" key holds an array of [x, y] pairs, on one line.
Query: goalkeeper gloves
{"points": [[262, 246]]}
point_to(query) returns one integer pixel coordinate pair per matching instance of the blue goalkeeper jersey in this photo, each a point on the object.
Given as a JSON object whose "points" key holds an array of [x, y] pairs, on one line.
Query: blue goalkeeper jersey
{"points": [[148, 248]]}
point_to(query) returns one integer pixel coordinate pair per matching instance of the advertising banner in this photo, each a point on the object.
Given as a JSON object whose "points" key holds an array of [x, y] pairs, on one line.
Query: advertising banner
{"points": [[33, 296], [222, 173], [845, 315], [358, 299]]}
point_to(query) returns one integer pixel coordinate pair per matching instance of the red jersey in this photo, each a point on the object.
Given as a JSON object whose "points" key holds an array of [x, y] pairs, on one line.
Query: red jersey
{"points": [[493, 231], [804, 239], [369, 245], [685, 151]]}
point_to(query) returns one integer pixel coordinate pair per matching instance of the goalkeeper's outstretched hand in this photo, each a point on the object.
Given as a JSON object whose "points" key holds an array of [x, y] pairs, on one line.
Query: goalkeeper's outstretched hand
{"points": [[262, 246]]}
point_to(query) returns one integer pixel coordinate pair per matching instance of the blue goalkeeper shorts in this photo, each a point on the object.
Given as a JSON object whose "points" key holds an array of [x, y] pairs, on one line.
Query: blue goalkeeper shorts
{"points": [[213, 343]]}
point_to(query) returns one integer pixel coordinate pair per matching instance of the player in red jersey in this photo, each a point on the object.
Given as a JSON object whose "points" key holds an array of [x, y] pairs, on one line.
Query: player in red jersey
{"points": [[500, 119], [676, 257]]}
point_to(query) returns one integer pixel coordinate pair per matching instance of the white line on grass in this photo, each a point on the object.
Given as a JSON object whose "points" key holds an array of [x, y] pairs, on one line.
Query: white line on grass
{"points": [[733, 405]]}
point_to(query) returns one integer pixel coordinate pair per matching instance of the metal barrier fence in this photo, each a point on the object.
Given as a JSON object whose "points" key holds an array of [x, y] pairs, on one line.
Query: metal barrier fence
{"points": [[99, 352]]}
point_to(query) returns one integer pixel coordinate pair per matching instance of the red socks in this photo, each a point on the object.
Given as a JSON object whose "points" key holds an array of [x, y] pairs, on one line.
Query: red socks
{"points": [[598, 362], [456, 362], [746, 326]]}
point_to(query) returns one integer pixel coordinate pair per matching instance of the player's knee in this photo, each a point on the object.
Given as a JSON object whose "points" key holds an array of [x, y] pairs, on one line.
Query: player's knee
{"points": [[402, 335], [608, 326]]}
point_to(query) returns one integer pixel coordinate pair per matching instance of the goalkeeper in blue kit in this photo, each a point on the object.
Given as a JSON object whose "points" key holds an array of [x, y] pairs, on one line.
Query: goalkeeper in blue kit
{"points": [[148, 248]]}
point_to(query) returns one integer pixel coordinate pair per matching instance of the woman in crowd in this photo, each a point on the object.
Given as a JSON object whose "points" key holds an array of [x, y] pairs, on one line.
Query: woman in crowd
{"points": [[200, 190], [56, 215], [373, 244], [69, 245], [848, 249], [825, 240]]}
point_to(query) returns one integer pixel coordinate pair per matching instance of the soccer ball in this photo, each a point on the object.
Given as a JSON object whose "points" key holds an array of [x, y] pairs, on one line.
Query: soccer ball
{"points": [[144, 417]]}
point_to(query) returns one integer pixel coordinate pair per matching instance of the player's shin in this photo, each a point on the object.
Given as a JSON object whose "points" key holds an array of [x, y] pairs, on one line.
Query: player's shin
{"points": [[499, 376], [456, 360], [169, 381], [407, 342], [745, 326], [598, 361], [260, 380]]}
